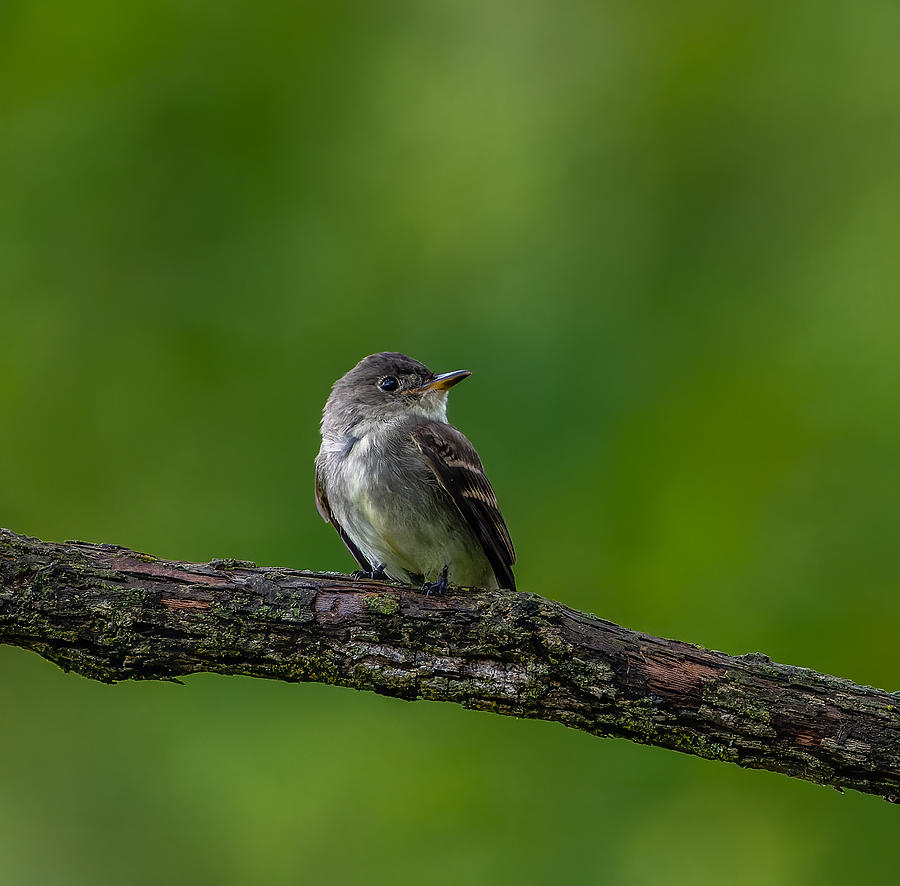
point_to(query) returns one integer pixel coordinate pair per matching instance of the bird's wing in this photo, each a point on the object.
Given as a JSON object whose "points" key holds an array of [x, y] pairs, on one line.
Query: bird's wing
{"points": [[459, 471], [328, 517]]}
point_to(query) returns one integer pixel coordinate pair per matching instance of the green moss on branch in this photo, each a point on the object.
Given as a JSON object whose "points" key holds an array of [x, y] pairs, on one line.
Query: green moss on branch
{"points": [[110, 614]]}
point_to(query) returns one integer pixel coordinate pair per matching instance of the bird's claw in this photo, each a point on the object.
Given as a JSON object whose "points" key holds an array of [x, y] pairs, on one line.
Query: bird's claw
{"points": [[437, 587], [376, 574]]}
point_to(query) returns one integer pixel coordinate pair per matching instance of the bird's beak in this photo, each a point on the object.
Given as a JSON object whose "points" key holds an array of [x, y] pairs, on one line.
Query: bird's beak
{"points": [[442, 382]]}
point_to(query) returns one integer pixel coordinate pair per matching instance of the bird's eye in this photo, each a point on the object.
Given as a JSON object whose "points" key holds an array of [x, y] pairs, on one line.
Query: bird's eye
{"points": [[389, 383]]}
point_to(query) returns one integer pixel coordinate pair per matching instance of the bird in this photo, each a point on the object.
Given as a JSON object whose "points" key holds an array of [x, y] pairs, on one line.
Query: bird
{"points": [[405, 490]]}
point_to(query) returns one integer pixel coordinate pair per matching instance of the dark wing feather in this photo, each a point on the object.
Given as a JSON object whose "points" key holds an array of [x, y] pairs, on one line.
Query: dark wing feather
{"points": [[458, 469], [328, 517]]}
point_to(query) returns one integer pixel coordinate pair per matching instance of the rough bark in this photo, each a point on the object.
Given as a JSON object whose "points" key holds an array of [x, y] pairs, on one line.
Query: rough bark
{"points": [[111, 614]]}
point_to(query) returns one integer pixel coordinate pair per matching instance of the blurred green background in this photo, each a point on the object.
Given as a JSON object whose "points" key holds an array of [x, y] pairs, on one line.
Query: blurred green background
{"points": [[665, 239]]}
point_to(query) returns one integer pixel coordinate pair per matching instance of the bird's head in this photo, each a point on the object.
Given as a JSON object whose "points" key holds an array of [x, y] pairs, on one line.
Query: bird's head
{"points": [[383, 388]]}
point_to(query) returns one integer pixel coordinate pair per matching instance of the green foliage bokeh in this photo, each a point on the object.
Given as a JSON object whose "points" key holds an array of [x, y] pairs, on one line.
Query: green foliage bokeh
{"points": [[664, 238]]}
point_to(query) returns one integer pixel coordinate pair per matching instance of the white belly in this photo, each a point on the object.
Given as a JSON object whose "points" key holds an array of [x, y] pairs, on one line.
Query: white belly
{"points": [[410, 537]]}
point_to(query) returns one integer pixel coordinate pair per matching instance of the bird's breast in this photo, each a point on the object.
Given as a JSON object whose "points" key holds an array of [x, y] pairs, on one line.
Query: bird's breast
{"points": [[369, 490], [387, 499]]}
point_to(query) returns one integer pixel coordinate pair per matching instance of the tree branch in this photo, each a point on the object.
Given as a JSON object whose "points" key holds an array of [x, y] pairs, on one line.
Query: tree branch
{"points": [[110, 614]]}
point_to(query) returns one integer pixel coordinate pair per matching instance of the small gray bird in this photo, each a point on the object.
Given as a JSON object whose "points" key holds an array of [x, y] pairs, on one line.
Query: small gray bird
{"points": [[404, 489]]}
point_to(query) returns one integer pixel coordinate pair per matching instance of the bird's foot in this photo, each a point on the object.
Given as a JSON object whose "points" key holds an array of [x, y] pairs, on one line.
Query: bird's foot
{"points": [[376, 574], [437, 587]]}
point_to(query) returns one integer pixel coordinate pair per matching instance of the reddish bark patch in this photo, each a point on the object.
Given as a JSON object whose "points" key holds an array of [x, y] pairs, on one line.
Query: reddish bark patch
{"points": [[181, 603]]}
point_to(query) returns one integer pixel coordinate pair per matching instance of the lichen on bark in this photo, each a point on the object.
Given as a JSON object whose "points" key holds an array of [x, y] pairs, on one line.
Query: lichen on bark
{"points": [[110, 614]]}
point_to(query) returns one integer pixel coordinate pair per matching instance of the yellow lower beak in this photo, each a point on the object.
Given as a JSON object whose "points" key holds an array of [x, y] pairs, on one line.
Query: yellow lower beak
{"points": [[442, 382]]}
